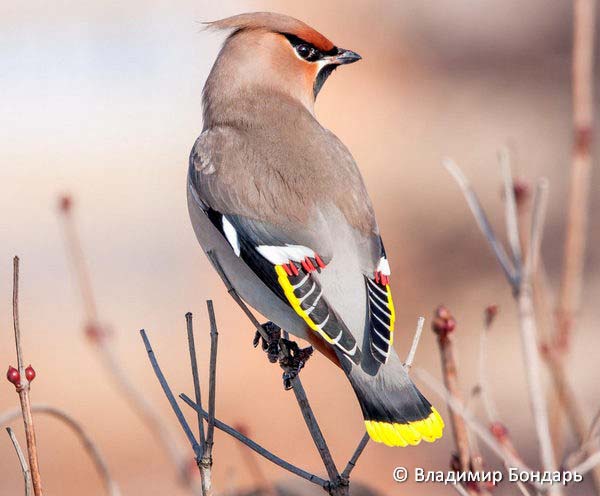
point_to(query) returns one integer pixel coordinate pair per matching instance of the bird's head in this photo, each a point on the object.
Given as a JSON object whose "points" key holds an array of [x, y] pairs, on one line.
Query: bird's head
{"points": [[276, 52]]}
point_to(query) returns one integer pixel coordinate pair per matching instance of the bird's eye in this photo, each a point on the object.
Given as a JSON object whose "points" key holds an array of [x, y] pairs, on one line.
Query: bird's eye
{"points": [[304, 51]]}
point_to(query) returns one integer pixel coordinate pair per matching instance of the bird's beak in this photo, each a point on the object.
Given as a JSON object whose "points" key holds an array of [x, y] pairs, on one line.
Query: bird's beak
{"points": [[345, 57]]}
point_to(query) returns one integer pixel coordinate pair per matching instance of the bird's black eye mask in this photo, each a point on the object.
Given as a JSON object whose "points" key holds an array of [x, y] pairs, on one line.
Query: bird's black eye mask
{"points": [[310, 53], [307, 50]]}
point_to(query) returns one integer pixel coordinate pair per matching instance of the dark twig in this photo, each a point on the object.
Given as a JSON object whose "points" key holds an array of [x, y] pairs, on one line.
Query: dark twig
{"points": [[195, 378], [22, 461], [169, 394], [257, 448], [214, 342], [355, 456], [313, 426]]}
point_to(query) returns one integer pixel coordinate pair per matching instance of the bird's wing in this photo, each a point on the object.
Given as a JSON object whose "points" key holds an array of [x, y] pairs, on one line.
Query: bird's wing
{"points": [[285, 259]]}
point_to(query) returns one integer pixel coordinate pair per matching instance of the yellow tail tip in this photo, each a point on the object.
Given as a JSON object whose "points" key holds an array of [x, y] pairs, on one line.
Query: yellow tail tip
{"points": [[394, 434]]}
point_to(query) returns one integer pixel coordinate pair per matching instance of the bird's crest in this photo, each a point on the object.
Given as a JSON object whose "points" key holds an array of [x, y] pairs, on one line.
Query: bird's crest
{"points": [[277, 23]]}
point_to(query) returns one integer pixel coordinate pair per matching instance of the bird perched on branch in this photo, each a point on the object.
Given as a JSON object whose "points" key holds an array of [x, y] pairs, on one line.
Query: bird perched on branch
{"points": [[279, 204]]}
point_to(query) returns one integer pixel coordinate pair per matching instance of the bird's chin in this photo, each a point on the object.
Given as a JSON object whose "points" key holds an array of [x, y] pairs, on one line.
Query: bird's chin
{"points": [[322, 76]]}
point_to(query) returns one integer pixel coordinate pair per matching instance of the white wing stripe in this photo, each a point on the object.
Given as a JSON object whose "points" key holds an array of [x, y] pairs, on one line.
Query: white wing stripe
{"points": [[386, 326], [373, 285], [384, 310], [310, 291], [231, 235], [301, 283]]}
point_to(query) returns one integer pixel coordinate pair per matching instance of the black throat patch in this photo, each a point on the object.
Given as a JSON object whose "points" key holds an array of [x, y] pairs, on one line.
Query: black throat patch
{"points": [[324, 73]]}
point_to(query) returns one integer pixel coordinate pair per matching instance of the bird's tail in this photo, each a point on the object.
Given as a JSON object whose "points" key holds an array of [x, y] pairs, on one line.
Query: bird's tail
{"points": [[395, 411]]}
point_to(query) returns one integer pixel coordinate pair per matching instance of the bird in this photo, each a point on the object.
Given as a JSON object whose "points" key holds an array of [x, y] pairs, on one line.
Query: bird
{"points": [[279, 205]]}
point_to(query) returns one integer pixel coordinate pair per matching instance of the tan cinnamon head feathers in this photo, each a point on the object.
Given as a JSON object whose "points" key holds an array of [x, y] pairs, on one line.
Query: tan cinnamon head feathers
{"points": [[275, 52]]}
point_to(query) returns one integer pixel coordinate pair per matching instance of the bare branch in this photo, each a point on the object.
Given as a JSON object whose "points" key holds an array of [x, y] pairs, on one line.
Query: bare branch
{"points": [[529, 337], [214, 341], [510, 216], [538, 216], [413, 349], [257, 448], [315, 430], [22, 461], [592, 462], [22, 384], [195, 377], [355, 456], [443, 326], [169, 394], [482, 221], [581, 164]]}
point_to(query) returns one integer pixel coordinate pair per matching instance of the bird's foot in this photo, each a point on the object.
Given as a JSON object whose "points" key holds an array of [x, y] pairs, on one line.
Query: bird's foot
{"points": [[271, 344], [291, 359]]}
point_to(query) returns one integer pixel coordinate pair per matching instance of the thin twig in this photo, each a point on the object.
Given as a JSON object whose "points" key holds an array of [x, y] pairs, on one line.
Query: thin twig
{"points": [[592, 462], [588, 446], [529, 337], [257, 448], [415, 344], [569, 300], [512, 224], [207, 460], [195, 377], [583, 125], [22, 388], [214, 342], [482, 221], [355, 456], [22, 461], [105, 348], [87, 442], [169, 394], [443, 326], [314, 429]]}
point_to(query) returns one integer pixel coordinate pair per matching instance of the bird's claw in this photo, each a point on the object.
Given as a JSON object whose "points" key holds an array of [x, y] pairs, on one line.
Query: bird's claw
{"points": [[290, 356], [271, 344], [292, 359]]}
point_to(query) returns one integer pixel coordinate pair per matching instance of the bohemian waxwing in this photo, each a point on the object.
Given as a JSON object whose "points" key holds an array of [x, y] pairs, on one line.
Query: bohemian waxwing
{"points": [[278, 202]]}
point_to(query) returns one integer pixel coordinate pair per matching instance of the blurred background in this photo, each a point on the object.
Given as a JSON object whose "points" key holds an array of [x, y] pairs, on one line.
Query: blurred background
{"points": [[102, 100]]}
